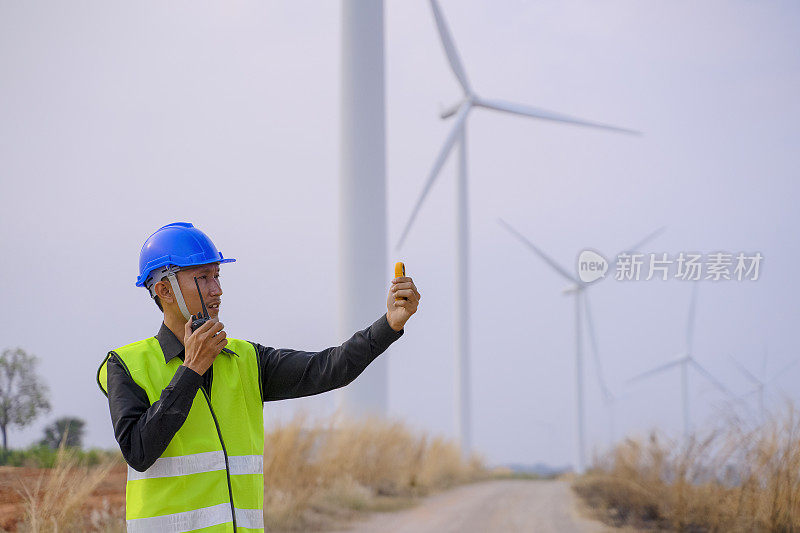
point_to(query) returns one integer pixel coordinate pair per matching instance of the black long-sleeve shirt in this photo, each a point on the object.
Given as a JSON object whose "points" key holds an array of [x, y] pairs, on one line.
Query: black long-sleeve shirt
{"points": [[143, 431]]}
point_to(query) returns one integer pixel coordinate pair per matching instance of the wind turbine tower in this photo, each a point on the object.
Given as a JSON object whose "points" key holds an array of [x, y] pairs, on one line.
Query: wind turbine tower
{"points": [[363, 274]]}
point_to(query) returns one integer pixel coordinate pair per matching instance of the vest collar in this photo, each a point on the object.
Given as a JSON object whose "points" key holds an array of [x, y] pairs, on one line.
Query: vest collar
{"points": [[172, 347]]}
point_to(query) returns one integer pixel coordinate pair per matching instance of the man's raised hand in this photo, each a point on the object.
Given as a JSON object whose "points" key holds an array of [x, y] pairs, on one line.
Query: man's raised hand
{"points": [[399, 311], [203, 344]]}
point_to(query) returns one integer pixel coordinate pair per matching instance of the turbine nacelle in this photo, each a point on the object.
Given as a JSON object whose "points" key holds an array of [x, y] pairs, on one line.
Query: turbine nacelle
{"points": [[574, 288], [447, 112]]}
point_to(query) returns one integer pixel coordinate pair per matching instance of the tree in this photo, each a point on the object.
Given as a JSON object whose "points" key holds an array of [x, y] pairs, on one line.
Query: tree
{"points": [[68, 428], [23, 396]]}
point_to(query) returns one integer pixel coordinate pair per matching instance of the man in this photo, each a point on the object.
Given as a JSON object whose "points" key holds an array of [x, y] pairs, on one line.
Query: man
{"points": [[187, 406]]}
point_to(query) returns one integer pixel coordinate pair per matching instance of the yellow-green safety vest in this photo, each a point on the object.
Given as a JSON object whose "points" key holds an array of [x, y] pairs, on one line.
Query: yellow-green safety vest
{"points": [[211, 476]]}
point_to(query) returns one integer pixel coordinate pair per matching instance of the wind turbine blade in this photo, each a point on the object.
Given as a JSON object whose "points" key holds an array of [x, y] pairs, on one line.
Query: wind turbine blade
{"points": [[547, 259], [741, 397], [450, 48], [656, 370], [635, 248], [437, 166], [690, 322], [593, 341], [706, 374], [518, 109], [744, 371], [782, 371]]}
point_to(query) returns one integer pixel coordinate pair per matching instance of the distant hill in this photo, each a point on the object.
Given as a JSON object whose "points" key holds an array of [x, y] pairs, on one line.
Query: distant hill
{"points": [[539, 469]]}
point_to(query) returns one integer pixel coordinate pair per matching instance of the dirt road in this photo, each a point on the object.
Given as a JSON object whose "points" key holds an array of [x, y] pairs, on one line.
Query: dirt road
{"points": [[502, 505]]}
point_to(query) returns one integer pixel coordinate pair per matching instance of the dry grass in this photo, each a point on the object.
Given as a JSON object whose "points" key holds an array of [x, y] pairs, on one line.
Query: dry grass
{"points": [[734, 479], [318, 473], [317, 476], [57, 501]]}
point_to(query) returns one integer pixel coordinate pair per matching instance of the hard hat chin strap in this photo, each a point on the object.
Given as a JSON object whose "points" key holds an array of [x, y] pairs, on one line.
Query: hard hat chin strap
{"points": [[176, 289]]}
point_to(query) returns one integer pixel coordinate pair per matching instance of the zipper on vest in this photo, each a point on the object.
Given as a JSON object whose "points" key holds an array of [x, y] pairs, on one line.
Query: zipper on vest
{"points": [[225, 453]]}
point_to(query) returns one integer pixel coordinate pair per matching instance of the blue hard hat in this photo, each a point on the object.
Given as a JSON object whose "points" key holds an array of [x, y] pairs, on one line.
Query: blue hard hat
{"points": [[179, 244]]}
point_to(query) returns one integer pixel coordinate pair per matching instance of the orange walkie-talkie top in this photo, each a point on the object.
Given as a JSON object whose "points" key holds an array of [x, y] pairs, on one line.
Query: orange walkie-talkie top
{"points": [[399, 272]]}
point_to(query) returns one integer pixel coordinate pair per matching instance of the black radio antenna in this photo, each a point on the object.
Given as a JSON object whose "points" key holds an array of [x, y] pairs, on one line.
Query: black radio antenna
{"points": [[205, 311]]}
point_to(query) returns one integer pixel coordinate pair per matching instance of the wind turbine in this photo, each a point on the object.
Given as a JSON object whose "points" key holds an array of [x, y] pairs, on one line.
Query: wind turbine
{"points": [[458, 134], [762, 382], [578, 289], [684, 361]]}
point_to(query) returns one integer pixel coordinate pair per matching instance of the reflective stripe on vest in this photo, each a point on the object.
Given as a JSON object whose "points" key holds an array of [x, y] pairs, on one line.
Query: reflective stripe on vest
{"points": [[189, 487], [183, 465], [197, 519]]}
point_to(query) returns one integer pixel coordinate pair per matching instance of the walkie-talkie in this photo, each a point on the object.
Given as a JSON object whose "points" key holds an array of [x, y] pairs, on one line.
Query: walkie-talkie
{"points": [[400, 271], [203, 317]]}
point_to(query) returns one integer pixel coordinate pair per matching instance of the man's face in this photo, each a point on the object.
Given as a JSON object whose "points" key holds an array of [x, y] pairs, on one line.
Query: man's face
{"points": [[208, 280]]}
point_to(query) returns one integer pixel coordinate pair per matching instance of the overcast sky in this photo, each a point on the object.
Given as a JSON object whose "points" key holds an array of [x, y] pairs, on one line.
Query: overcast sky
{"points": [[116, 119]]}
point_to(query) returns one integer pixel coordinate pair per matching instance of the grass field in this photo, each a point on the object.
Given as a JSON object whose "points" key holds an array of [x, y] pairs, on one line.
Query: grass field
{"points": [[317, 474], [735, 478], [321, 473]]}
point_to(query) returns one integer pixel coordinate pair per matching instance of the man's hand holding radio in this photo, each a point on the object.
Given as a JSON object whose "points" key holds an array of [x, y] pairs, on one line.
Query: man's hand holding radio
{"points": [[402, 302], [203, 345]]}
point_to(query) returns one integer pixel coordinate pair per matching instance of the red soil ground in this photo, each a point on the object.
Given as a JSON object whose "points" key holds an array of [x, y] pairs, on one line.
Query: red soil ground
{"points": [[12, 480]]}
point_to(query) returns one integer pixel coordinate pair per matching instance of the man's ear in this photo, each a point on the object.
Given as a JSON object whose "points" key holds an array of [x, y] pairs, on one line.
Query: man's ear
{"points": [[163, 290]]}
